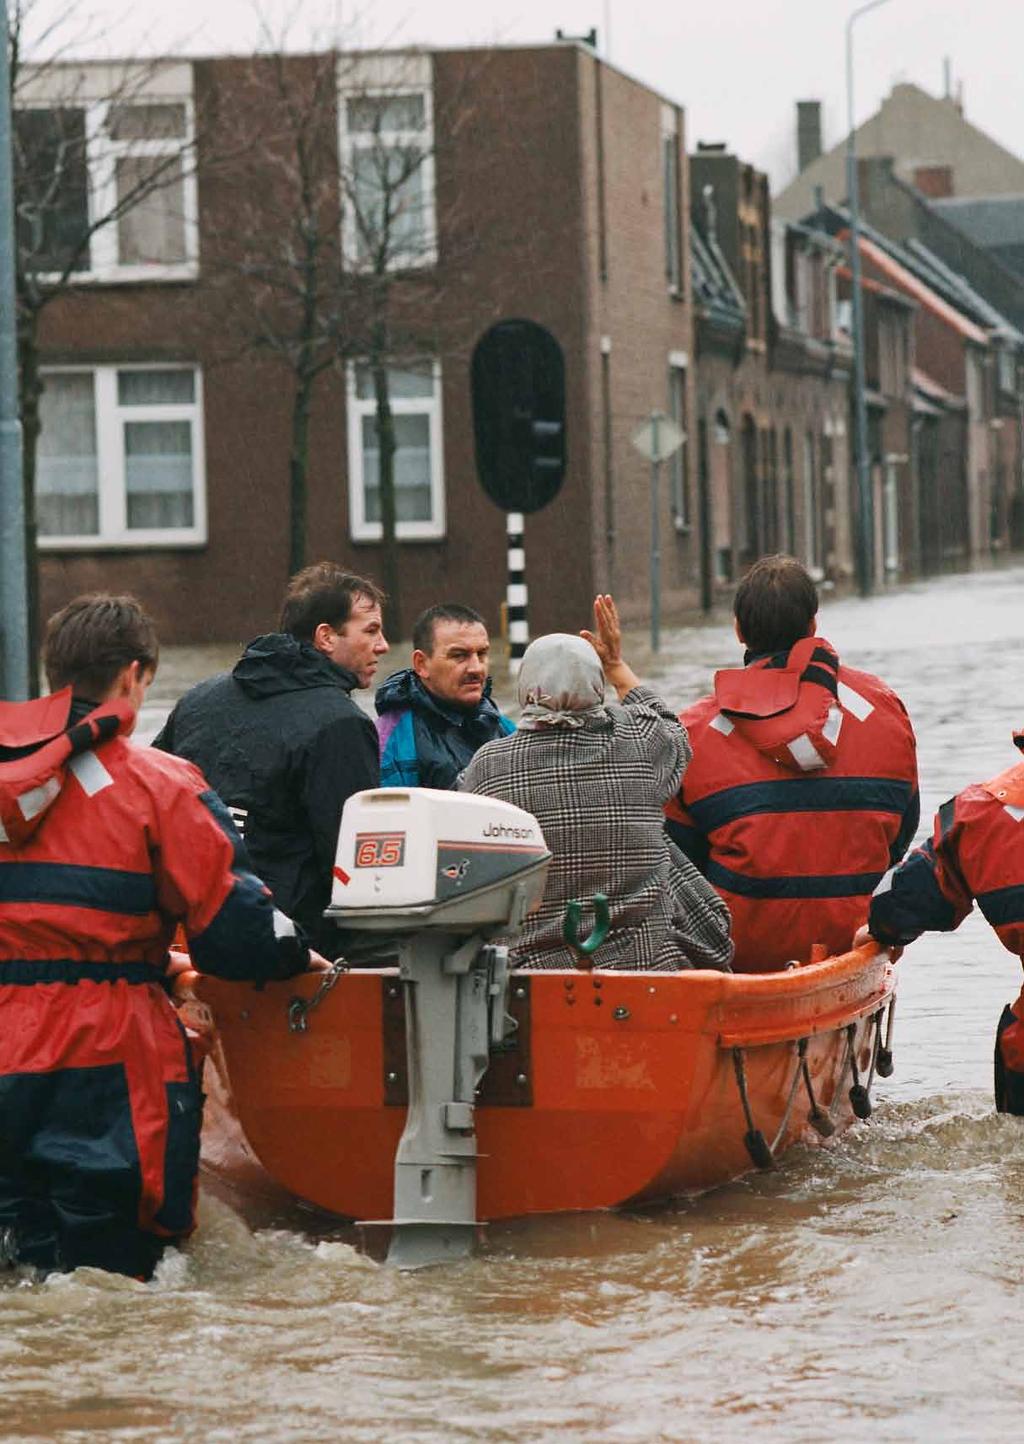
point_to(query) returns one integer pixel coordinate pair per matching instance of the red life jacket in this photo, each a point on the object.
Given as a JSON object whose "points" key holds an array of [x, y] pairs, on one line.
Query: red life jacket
{"points": [[974, 854], [802, 791], [104, 849]]}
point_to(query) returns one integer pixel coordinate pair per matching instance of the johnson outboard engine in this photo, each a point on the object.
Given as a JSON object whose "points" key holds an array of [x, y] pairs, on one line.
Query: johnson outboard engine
{"points": [[441, 873]]}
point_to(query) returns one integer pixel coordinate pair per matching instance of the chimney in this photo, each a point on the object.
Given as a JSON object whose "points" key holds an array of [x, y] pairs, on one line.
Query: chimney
{"points": [[947, 79], [808, 132], [934, 181]]}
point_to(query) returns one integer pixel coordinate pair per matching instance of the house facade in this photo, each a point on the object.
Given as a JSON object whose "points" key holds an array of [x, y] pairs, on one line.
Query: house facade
{"points": [[547, 186], [772, 377]]}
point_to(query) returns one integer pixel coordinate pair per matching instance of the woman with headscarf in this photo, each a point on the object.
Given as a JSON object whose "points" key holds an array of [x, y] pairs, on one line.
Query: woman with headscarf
{"points": [[596, 777]]}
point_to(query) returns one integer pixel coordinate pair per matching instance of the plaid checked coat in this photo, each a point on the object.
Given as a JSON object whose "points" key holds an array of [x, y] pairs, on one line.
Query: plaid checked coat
{"points": [[597, 792]]}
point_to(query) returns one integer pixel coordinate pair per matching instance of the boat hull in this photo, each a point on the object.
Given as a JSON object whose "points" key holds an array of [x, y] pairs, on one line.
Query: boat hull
{"points": [[621, 1088]]}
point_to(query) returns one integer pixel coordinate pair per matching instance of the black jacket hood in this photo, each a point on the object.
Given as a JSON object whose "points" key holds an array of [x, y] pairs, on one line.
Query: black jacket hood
{"points": [[277, 662]]}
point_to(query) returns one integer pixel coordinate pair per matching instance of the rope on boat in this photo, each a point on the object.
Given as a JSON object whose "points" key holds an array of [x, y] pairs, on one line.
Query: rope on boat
{"points": [[847, 1061], [883, 1059], [756, 1143], [819, 1118], [761, 1151], [801, 1053], [860, 1100]]}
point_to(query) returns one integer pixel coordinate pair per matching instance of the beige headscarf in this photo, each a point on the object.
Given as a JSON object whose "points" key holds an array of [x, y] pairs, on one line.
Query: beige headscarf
{"points": [[561, 683]]}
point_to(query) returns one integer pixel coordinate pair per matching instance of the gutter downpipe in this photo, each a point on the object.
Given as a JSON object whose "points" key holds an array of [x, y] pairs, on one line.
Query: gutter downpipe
{"points": [[865, 509], [14, 659]]}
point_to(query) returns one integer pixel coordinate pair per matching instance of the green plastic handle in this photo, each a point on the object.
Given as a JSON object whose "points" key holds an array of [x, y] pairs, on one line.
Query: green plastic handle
{"points": [[602, 924]]}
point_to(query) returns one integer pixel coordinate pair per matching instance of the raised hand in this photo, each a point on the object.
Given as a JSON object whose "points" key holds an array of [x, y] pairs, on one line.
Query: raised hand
{"points": [[607, 642]]}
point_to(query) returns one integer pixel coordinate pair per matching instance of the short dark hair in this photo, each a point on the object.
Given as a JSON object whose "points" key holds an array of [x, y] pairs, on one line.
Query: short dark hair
{"points": [[775, 604], [323, 592], [92, 639], [423, 631]]}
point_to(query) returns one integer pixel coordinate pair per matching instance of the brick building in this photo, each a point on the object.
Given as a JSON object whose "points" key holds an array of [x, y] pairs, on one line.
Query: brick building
{"points": [[961, 369], [772, 372], [938, 202], [555, 188]]}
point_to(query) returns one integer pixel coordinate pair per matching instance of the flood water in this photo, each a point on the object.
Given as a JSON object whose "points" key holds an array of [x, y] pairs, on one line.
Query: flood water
{"points": [[869, 1289]]}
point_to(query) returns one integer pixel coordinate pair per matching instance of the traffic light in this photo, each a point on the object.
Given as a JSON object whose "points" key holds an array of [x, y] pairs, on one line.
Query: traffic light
{"points": [[518, 381]]}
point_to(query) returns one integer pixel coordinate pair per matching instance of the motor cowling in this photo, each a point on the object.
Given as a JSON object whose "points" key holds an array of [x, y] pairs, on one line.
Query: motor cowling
{"points": [[455, 859]]}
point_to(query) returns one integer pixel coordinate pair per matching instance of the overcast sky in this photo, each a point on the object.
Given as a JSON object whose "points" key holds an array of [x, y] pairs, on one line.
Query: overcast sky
{"points": [[737, 66]]}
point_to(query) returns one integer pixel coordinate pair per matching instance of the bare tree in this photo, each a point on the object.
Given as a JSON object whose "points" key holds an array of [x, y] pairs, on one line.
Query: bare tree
{"points": [[103, 162], [272, 239], [326, 252]]}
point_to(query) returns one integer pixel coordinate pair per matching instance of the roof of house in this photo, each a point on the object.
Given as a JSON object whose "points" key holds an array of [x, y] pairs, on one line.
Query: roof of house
{"points": [[994, 222], [989, 220], [889, 293], [972, 300], [920, 274], [933, 391], [922, 293], [918, 130]]}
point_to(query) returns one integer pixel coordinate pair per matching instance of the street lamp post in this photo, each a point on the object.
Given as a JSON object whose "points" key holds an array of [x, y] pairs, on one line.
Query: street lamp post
{"points": [[14, 659], [865, 529]]}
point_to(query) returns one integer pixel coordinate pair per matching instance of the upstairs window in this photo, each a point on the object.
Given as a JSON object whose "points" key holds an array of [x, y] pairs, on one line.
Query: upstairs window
{"points": [[120, 457], [107, 189], [414, 393], [670, 193], [679, 461], [1007, 370], [387, 165]]}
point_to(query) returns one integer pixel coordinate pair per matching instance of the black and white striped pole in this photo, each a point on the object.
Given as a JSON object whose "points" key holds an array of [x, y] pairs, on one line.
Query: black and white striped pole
{"points": [[518, 386], [515, 593]]}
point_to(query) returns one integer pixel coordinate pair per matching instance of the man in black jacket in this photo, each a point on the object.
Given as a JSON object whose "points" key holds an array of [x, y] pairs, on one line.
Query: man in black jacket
{"points": [[282, 741]]}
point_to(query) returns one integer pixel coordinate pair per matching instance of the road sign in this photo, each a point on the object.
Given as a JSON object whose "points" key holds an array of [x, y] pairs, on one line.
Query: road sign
{"points": [[658, 437]]}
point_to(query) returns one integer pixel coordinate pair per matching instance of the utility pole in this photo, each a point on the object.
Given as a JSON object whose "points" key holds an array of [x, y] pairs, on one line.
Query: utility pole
{"points": [[865, 510], [657, 438], [14, 658]]}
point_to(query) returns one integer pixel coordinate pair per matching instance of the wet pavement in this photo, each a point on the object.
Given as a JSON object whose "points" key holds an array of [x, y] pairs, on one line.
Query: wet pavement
{"points": [[869, 1289]]}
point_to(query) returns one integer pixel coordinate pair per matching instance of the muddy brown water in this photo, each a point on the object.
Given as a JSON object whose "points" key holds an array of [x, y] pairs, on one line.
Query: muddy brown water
{"points": [[869, 1289]]}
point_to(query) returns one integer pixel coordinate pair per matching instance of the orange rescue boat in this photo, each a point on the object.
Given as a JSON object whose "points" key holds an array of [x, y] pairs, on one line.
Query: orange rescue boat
{"points": [[603, 1088], [619, 1088]]}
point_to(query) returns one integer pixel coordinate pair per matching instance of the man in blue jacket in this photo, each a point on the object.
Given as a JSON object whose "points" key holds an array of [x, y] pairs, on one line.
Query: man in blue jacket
{"points": [[434, 716]]}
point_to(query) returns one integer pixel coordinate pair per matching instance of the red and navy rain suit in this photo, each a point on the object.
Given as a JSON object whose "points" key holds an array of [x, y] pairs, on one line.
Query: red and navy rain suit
{"points": [[975, 853], [104, 849], [802, 791]]}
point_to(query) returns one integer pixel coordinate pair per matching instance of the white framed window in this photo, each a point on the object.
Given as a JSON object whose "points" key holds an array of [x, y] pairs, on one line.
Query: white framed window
{"points": [[670, 179], [124, 165], [1007, 364], [414, 391], [386, 151], [679, 460], [120, 461]]}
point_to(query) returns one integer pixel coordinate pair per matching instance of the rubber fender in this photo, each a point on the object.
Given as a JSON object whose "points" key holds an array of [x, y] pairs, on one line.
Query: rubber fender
{"points": [[820, 1120], [757, 1147]]}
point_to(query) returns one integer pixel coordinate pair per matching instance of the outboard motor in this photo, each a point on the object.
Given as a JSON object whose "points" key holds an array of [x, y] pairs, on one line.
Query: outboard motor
{"points": [[442, 873]]}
